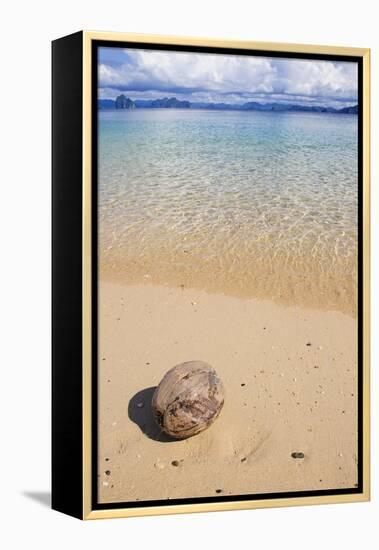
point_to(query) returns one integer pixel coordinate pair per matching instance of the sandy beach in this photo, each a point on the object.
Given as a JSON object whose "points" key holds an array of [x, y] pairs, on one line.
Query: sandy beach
{"points": [[290, 381], [228, 233]]}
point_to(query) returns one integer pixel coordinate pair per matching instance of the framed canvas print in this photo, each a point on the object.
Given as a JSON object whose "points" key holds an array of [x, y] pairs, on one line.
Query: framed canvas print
{"points": [[210, 275]]}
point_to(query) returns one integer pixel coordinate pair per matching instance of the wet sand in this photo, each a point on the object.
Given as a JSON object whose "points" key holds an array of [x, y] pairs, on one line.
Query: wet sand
{"points": [[290, 377]]}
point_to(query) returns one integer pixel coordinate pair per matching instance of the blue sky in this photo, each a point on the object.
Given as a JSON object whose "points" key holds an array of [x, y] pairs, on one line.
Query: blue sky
{"points": [[146, 74]]}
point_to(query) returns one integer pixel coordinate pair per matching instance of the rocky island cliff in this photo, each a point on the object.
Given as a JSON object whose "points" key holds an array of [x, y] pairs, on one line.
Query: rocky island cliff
{"points": [[123, 102]]}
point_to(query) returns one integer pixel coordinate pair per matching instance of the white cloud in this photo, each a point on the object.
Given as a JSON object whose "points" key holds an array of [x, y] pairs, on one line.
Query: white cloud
{"points": [[318, 78], [236, 76], [209, 72]]}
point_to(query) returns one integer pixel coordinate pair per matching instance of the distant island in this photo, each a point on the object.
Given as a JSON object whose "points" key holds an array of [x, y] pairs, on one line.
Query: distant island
{"points": [[165, 103], [123, 102]]}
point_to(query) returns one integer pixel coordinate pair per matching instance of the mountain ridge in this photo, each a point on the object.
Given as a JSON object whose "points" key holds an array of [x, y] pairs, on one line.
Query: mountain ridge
{"points": [[123, 102]]}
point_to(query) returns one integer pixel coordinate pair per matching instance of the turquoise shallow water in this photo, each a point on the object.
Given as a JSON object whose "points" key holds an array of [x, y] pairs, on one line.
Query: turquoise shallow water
{"points": [[246, 203]]}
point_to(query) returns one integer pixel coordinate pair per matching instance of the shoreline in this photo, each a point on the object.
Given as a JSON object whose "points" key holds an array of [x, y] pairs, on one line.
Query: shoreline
{"points": [[290, 380], [304, 292]]}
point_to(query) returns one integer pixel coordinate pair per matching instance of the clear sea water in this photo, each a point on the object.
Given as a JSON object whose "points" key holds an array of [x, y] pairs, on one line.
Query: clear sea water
{"points": [[252, 204]]}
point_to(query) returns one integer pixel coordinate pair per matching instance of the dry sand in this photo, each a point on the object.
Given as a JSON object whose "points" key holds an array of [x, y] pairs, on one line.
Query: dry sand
{"points": [[290, 377]]}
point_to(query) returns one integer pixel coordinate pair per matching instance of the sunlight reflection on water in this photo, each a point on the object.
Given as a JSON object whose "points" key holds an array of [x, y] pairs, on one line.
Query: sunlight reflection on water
{"points": [[250, 204]]}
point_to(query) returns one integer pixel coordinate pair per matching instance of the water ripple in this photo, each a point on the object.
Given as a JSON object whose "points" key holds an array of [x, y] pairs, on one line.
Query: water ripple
{"points": [[251, 204]]}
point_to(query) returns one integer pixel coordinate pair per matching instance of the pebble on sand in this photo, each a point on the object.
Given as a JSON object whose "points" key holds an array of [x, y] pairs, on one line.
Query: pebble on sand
{"points": [[297, 454]]}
